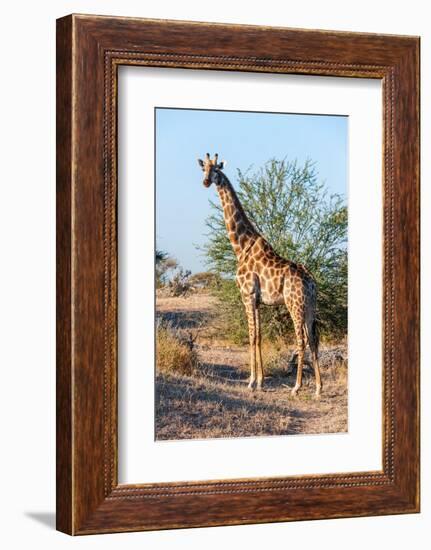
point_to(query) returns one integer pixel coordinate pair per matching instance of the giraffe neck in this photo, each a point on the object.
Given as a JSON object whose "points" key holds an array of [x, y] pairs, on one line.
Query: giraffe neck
{"points": [[241, 231]]}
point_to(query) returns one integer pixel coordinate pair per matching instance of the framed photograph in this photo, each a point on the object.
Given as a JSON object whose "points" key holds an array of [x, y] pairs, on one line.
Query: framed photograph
{"points": [[237, 274]]}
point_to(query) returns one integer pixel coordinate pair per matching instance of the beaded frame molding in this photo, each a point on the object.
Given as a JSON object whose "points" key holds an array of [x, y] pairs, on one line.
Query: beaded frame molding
{"points": [[89, 51]]}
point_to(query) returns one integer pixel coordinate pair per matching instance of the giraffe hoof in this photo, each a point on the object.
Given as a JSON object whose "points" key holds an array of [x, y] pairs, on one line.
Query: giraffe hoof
{"points": [[295, 391], [259, 387], [251, 386]]}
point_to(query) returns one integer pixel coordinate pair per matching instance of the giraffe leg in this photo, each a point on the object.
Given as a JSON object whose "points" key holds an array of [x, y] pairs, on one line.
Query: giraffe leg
{"points": [[259, 366], [317, 374], [250, 309], [300, 340]]}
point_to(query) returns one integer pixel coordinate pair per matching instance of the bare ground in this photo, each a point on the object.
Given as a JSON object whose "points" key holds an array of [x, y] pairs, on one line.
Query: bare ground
{"points": [[215, 402]]}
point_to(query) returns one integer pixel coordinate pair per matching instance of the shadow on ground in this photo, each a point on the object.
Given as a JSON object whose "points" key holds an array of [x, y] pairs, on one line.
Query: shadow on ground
{"points": [[184, 319], [215, 401], [218, 404], [273, 380]]}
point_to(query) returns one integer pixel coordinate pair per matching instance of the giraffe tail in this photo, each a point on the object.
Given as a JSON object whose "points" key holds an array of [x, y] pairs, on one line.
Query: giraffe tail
{"points": [[315, 335], [312, 333]]}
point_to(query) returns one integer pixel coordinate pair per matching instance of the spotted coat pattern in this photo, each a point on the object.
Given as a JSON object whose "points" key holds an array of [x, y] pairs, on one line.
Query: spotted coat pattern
{"points": [[264, 277]]}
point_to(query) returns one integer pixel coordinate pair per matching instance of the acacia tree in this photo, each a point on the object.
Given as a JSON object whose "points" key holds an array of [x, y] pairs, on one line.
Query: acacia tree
{"points": [[293, 210]]}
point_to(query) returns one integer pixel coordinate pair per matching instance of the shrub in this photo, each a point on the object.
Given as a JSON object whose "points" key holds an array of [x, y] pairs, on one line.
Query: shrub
{"points": [[204, 280], [293, 211], [180, 285], [174, 354]]}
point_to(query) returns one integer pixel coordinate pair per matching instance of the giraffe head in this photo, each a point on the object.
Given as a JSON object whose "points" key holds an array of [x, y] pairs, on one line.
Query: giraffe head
{"points": [[211, 169]]}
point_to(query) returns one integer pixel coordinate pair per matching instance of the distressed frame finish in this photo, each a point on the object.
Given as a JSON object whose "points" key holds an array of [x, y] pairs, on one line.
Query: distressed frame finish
{"points": [[89, 51]]}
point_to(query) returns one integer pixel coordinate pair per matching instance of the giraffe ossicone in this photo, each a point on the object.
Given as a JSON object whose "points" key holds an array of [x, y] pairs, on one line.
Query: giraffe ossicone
{"points": [[264, 277]]}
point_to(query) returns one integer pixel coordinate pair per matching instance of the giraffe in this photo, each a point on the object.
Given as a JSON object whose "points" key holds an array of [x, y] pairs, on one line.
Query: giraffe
{"points": [[264, 277]]}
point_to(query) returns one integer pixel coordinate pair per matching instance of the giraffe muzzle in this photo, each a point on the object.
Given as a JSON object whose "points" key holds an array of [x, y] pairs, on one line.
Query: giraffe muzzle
{"points": [[207, 182]]}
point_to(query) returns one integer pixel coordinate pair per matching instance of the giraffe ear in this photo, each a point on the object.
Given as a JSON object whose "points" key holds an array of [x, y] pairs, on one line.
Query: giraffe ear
{"points": [[201, 163]]}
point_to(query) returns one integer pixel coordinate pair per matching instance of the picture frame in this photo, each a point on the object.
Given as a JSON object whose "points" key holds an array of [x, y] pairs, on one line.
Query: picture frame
{"points": [[89, 51]]}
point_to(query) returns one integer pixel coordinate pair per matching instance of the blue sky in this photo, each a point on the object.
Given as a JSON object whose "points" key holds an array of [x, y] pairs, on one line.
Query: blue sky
{"points": [[243, 139]]}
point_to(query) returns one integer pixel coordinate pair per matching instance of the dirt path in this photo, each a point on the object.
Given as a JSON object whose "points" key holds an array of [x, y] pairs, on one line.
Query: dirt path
{"points": [[215, 401]]}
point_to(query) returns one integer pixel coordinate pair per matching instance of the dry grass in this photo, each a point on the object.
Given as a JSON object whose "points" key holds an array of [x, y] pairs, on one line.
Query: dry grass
{"points": [[211, 399], [174, 355]]}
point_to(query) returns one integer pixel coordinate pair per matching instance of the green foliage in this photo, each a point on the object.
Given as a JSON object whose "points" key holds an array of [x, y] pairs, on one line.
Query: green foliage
{"points": [[294, 212], [231, 311]]}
